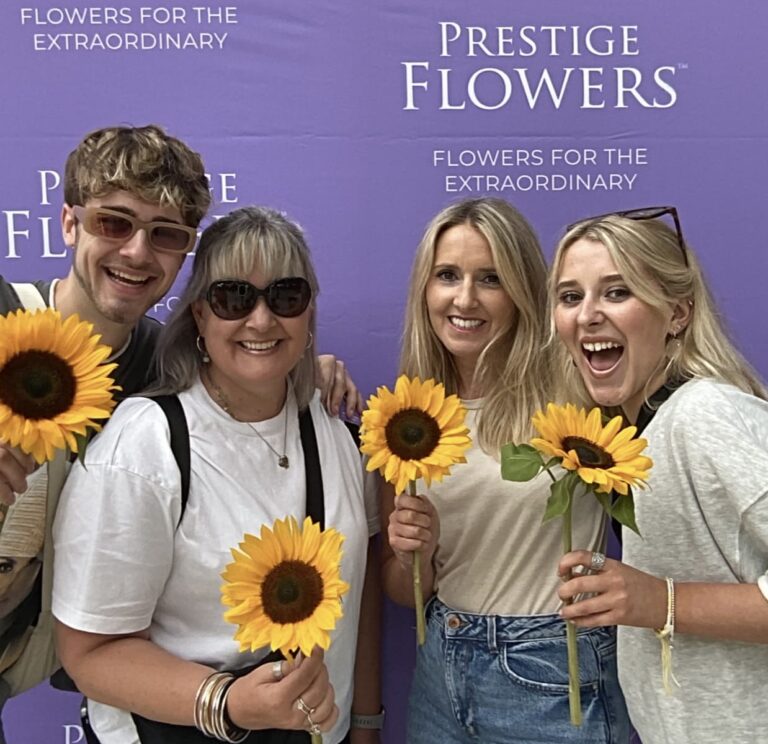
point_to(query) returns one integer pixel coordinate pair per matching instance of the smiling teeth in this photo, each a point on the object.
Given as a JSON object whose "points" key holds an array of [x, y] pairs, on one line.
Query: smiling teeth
{"points": [[464, 323], [258, 345], [601, 346], [133, 279]]}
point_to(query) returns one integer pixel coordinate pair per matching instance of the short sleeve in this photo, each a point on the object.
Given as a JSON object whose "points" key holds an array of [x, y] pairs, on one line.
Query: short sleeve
{"points": [[725, 435], [115, 525]]}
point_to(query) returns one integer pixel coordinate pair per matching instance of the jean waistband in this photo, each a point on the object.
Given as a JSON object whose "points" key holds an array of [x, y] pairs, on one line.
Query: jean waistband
{"points": [[494, 629]]}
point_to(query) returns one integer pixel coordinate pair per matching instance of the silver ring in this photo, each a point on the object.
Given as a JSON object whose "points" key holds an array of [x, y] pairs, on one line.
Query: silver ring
{"points": [[277, 670], [597, 562], [305, 709]]}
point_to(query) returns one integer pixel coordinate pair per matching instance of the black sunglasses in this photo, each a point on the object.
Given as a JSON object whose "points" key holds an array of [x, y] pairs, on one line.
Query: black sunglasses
{"points": [[168, 237], [233, 299], [644, 213]]}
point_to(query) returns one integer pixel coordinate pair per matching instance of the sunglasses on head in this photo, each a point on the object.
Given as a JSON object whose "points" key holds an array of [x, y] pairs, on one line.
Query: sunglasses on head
{"points": [[233, 299], [645, 213], [169, 237]]}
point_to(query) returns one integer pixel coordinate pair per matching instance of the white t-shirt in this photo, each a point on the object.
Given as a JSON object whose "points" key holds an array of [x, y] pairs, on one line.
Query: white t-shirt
{"points": [[122, 565]]}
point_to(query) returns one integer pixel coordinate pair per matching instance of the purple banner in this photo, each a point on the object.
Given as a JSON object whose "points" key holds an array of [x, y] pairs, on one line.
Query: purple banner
{"points": [[362, 120]]}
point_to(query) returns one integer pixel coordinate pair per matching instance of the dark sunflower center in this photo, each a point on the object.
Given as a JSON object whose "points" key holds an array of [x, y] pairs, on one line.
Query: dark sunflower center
{"points": [[590, 454], [412, 434], [291, 592], [37, 384]]}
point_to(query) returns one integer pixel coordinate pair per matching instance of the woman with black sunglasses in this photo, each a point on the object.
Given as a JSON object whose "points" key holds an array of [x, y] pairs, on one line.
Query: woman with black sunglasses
{"points": [[138, 566], [643, 336]]}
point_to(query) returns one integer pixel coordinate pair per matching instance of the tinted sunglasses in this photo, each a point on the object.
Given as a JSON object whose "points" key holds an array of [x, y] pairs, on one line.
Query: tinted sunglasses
{"points": [[645, 213], [169, 237], [232, 299]]}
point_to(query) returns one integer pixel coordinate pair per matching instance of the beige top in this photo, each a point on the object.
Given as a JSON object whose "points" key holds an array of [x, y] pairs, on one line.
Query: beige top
{"points": [[495, 556]]}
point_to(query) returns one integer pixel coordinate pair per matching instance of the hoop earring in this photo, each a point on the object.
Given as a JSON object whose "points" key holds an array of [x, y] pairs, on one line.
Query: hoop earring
{"points": [[310, 341], [200, 344]]}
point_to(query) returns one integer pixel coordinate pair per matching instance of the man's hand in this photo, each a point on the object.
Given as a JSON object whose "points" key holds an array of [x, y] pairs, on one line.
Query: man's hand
{"points": [[335, 383], [15, 466]]}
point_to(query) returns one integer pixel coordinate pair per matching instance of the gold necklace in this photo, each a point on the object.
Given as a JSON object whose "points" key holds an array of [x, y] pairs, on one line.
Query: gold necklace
{"points": [[282, 460]]}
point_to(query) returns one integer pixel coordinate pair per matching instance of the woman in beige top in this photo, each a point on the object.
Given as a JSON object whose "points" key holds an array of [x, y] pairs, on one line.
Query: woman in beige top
{"points": [[494, 666]]}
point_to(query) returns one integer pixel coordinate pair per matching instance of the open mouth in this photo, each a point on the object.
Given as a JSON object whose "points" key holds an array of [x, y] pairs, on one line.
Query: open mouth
{"points": [[129, 280], [602, 356]]}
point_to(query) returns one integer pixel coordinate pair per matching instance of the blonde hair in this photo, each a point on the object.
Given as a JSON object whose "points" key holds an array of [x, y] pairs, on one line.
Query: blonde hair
{"points": [[649, 257], [144, 161], [232, 248], [513, 370]]}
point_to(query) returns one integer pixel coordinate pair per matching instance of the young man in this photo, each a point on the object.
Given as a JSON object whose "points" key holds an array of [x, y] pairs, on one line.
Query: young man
{"points": [[119, 271], [133, 200], [134, 197]]}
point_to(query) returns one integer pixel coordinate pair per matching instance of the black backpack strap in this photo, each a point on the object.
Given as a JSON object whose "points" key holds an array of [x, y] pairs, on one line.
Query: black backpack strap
{"points": [[313, 474], [177, 423], [354, 430]]}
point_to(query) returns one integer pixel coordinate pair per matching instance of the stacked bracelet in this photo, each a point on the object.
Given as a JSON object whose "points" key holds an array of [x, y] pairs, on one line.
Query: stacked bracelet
{"points": [[666, 636], [211, 709]]}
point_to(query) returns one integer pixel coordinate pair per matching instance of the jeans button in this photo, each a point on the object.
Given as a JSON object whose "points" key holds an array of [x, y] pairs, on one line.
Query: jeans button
{"points": [[453, 622]]}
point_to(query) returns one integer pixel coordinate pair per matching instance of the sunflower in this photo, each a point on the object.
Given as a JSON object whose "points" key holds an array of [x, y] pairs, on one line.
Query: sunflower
{"points": [[415, 432], [606, 456], [53, 384], [285, 588]]}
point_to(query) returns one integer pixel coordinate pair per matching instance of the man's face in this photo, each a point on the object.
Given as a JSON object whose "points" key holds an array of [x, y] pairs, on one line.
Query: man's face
{"points": [[122, 279]]}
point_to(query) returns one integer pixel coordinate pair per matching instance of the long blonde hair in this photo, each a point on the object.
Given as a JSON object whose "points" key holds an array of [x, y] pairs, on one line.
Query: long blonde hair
{"points": [[650, 259], [513, 370]]}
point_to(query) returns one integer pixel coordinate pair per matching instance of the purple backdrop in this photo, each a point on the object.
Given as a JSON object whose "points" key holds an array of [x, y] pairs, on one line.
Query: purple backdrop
{"points": [[362, 122]]}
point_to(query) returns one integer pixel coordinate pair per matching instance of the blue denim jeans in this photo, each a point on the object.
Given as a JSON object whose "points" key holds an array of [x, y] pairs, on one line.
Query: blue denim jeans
{"points": [[498, 679]]}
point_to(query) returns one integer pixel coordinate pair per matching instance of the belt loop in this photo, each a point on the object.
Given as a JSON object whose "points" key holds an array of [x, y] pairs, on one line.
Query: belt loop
{"points": [[492, 633]]}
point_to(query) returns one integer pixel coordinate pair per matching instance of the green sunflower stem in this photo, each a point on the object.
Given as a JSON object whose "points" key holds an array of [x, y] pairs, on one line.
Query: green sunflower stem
{"points": [[418, 597], [574, 685]]}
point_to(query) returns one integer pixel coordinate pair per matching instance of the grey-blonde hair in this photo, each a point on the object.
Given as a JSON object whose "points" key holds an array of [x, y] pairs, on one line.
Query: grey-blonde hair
{"points": [[513, 370], [234, 247], [648, 255]]}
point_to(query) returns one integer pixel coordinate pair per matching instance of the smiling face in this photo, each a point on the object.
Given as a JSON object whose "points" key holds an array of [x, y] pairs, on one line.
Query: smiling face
{"points": [[121, 279], [466, 303], [252, 357], [617, 341]]}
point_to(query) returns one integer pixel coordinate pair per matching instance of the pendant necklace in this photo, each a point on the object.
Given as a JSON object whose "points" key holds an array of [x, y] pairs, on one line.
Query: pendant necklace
{"points": [[282, 460]]}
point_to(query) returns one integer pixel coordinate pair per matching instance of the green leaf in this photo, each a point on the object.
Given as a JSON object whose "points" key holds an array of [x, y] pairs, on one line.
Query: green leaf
{"points": [[559, 499], [82, 443], [605, 501], [623, 511], [520, 462]]}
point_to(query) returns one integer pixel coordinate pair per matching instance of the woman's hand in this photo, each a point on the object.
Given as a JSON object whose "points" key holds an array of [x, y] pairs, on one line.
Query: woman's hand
{"points": [[623, 595], [335, 383], [413, 525], [259, 700]]}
